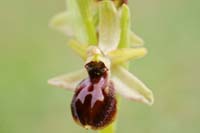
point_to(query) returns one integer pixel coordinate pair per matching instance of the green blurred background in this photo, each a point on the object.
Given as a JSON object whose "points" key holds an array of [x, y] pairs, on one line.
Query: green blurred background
{"points": [[30, 53]]}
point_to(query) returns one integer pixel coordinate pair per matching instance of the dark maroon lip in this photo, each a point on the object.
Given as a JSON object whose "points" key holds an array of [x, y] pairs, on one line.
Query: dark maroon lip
{"points": [[94, 107], [94, 103]]}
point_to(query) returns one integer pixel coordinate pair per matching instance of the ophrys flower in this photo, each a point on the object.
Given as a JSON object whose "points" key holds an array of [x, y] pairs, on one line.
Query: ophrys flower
{"points": [[104, 47]]}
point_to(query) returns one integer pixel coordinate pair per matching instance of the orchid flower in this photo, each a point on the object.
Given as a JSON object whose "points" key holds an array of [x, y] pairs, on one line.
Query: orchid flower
{"points": [[100, 34]]}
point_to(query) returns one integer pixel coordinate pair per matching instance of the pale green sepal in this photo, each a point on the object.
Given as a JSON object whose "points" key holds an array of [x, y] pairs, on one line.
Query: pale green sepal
{"points": [[125, 26], [131, 87], [69, 81], [123, 55], [78, 48], [87, 18], [135, 40], [109, 26]]}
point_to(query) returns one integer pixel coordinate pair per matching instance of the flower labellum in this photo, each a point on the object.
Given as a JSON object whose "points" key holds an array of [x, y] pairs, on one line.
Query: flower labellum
{"points": [[94, 102]]}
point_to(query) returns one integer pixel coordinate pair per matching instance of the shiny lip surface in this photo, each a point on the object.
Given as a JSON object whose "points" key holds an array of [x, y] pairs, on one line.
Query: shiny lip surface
{"points": [[94, 102]]}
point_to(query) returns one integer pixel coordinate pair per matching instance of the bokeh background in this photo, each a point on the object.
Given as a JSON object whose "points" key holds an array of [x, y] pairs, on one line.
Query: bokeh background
{"points": [[31, 52]]}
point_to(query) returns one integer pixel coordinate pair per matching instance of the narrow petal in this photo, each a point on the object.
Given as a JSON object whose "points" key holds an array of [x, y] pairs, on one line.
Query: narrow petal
{"points": [[120, 56], [125, 26], [131, 87], [109, 26], [69, 81]]}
